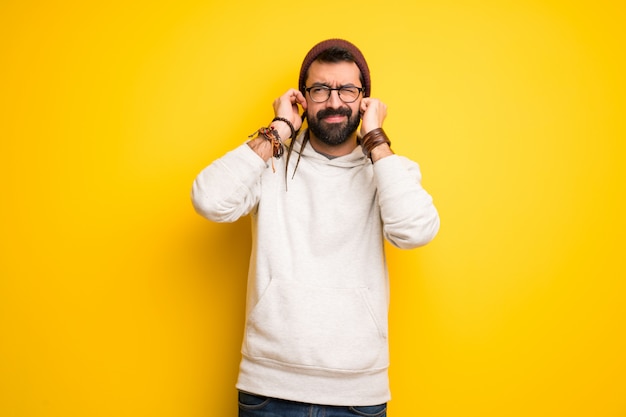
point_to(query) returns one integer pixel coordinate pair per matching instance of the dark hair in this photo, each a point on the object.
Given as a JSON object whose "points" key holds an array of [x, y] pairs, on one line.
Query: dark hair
{"points": [[335, 54]]}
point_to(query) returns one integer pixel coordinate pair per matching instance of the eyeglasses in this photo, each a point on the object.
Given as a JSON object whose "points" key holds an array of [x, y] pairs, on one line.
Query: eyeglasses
{"points": [[321, 93]]}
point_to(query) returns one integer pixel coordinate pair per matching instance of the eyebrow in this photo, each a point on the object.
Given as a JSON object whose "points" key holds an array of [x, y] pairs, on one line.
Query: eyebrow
{"points": [[326, 85]]}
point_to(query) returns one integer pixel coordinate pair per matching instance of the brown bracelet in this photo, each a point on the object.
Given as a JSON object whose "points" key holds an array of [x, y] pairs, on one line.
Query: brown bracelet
{"points": [[271, 135], [282, 119], [372, 139]]}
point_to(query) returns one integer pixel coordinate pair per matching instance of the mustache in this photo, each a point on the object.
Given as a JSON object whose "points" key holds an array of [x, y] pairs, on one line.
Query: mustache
{"points": [[342, 111]]}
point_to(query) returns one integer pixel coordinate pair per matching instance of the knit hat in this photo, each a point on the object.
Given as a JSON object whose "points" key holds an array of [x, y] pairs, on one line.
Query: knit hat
{"points": [[359, 60]]}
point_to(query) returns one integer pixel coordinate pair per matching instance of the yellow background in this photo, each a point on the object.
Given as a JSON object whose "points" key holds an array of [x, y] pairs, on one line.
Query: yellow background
{"points": [[116, 299]]}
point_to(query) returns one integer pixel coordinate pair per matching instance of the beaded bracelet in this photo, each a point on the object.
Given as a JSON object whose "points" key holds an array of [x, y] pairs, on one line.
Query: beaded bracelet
{"points": [[282, 119]]}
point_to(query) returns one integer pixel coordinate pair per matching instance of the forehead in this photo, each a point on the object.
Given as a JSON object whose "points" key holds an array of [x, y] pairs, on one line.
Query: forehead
{"points": [[334, 73]]}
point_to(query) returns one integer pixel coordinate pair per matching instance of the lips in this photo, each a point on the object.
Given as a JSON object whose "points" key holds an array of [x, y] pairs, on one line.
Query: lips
{"points": [[335, 119], [334, 115]]}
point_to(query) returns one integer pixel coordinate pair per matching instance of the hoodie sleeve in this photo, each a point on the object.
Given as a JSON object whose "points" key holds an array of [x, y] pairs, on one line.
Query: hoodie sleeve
{"points": [[409, 216], [229, 188]]}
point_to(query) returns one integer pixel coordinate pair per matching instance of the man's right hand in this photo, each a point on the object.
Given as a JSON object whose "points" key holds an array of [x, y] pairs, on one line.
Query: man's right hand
{"points": [[286, 106]]}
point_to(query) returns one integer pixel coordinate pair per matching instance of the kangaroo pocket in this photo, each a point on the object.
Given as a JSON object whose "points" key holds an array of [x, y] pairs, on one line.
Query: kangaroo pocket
{"points": [[308, 326]]}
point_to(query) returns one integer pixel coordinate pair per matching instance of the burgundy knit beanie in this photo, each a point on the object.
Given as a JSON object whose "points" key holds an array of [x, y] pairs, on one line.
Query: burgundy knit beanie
{"points": [[359, 59]]}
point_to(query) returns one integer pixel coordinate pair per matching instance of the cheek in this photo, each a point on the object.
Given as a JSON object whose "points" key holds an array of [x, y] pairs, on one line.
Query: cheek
{"points": [[312, 108], [356, 111]]}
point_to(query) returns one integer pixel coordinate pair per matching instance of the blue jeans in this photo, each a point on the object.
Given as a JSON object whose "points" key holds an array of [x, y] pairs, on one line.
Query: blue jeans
{"points": [[251, 405]]}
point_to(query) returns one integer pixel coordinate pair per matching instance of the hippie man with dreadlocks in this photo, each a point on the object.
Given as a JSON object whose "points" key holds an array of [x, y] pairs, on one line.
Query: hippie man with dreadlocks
{"points": [[322, 199]]}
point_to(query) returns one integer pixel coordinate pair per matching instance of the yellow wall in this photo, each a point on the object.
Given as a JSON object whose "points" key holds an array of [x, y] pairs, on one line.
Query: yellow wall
{"points": [[116, 299]]}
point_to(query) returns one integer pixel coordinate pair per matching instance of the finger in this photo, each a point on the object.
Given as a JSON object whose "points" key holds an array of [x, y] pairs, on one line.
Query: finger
{"points": [[289, 98], [302, 100], [364, 105], [298, 97]]}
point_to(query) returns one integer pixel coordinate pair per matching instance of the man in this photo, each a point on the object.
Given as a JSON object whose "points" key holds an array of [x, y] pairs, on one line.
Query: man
{"points": [[316, 317]]}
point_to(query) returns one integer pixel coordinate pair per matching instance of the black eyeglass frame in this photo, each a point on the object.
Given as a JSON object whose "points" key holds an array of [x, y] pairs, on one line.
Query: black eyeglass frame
{"points": [[338, 90]]}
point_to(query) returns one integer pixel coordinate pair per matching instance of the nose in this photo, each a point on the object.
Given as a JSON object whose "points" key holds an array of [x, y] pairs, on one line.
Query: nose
{"points": [[334, 101]]}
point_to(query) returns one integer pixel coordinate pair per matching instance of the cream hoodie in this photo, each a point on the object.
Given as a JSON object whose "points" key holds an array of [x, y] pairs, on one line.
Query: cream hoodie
{"points": [[318, 293]]}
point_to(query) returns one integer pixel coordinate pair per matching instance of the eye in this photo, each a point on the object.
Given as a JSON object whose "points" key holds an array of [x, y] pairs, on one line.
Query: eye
{"points": [[349, 93], [319, 89]]}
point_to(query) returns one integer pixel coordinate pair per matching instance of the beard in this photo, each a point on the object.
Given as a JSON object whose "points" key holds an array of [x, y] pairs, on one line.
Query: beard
{"points": [[334, 134]]}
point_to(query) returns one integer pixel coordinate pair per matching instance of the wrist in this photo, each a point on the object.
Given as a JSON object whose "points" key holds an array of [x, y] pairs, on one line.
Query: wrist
{"points": [[380, 151], [376, 144], [284, 127], [261, 147]]}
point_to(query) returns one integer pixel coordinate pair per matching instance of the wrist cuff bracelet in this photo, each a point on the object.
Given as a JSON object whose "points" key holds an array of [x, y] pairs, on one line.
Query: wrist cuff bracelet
{"points": [[372, 139]]}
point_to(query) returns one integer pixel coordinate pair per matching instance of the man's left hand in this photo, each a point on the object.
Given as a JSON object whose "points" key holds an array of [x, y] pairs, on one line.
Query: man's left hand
{"points": [[373, 113]]}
